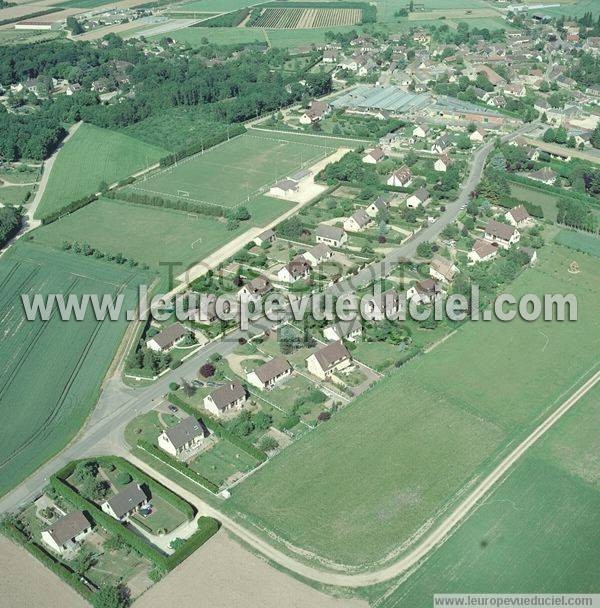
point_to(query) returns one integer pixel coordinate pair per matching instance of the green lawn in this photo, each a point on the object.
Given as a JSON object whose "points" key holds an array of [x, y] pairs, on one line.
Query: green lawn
{"points": [[15, 195], [536, 196], [82, 3], [391, 460], [234, 172], [93, 155], [50, 372], [536, 533], [378, 355], [221, 461], [163, 517]]}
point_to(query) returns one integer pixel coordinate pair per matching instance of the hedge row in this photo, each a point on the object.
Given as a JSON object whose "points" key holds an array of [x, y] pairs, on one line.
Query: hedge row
{"points": [[60, 569], [205, 144], [525, 181], [219, 430], [73, 206], [207, 527], [29, 16], [158, 201], [228, 20], [183, 468]]}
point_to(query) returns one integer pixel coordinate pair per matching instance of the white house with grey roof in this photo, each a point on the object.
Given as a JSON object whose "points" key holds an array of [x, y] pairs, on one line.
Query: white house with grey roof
{"points": [[348, 330], [379, 205], [268, 236], [318, 254], [330, 235], [65, 533], [329, 360], [267, 375], [358, 221], [127, 502], [231, 396], [168, 338], [186, 435], [419, 197]]}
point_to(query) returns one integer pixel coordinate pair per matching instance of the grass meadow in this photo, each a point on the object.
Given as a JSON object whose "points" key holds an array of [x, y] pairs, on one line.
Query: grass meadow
{"points": [[93, 155], [151, 234], [390, 462], [536, 533], [50, 372], [586, 243], [237, 170]]}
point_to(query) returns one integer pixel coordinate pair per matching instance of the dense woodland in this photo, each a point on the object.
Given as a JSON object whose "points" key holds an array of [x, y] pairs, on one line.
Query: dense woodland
{"points": [[10, 222], [242, 87]]}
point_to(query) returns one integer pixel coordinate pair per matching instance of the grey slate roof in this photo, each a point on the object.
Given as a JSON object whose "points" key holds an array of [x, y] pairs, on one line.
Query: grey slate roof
{"points": [[329, 232], [69, 526], [170, 335], [128, 498], [271, 369], [181, 433], [331, 355], [228, 394]]}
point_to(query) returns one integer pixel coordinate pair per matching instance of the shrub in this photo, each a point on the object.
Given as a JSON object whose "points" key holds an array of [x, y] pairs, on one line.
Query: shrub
{"points": [[207, 370], [124, 478]]}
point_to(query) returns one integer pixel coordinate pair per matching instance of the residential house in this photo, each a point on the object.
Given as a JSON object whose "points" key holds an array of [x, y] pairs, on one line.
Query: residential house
{"points": [[420, 197], [519, 217], [330, 55], [168, 338], [318, 254], [441, 145], [231, 396], [424, 292], [374, 156], [545, 175], [67, 531], [504, 235], [383, 305], [346, 330], [358, 221], [71, 89], [515, 90], [478, 135], [482, 251], [329, 360], [443, 163], [401, 177], [187, 434], [256, 288], [297, 269], [420, 131], [267, 375], [330, 235], [316, 112], [127, 502], [268, 236], [442, 269], [379, 205]]}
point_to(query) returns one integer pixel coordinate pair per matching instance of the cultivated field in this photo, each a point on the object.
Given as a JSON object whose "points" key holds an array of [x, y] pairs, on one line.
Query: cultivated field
{"points": [[236, 171], [150, 234], [302, 18], [537, 533], [92, 156], [389, 463], [50, 372]]}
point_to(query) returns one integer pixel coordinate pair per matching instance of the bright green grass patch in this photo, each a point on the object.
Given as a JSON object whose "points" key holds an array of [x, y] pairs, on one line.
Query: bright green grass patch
{"points": [[235, 171], [222, 461], [150, 235], [390, 461], [92, 156], [387, 8], [579, 241], [82, 3], [15, 195], [215, 6], [574, 9], [50, 372], [378, 355], [536, 533]]}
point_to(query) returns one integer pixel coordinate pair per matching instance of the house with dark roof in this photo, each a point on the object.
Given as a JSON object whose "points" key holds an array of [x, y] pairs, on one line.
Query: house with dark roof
{"points": [[420, 197], [374, 156], [504, 235], [284, 187], [268, 236], [66, 532], [316, 111], [127, 502], [358, 221], [482, 251], [267, 375], [379, 205], [330, 235], [441, 145], [256, 288], [424, 292], [188, 434], [230, 396], [329, 360], [519, 217], [318, 254], [168, 338], [297, 269], [401, 177]]}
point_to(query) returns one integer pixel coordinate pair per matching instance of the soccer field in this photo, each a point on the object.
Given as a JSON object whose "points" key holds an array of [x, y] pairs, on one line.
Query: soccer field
{"points": [[358, 490], [50, 371], [537, 533], [236, 171]]}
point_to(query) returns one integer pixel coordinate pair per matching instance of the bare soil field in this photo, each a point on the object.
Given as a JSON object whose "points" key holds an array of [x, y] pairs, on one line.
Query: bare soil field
{"points": [[26, 582], [224, 575]]}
